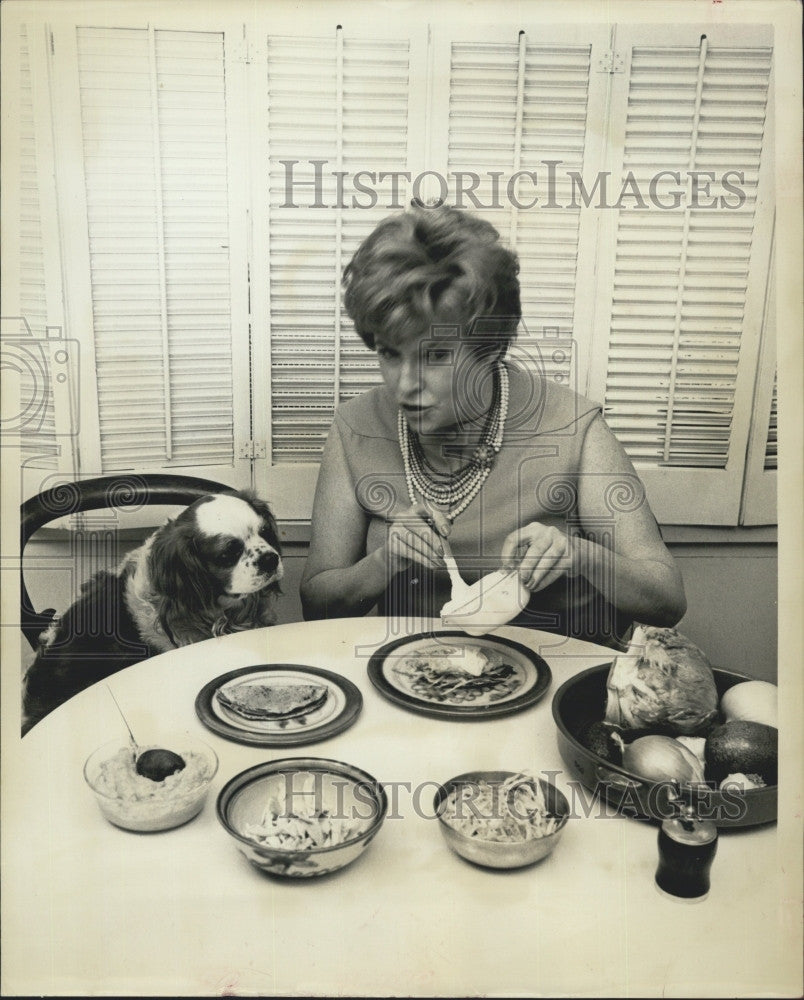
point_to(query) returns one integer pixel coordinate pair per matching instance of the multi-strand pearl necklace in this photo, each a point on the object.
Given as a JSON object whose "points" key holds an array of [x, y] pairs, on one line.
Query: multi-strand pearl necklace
{"points": [[465, 484]]}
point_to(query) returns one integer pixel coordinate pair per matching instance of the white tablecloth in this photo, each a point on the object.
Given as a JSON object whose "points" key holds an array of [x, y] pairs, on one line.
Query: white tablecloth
{"points": [[91, 909]]}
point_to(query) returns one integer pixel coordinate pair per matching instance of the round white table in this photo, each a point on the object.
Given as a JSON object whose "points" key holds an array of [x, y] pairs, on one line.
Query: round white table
{"points": [[96, 910]]}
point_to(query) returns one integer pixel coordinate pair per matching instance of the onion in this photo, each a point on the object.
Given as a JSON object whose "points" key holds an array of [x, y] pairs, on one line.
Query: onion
{"points": [[661, 758]]}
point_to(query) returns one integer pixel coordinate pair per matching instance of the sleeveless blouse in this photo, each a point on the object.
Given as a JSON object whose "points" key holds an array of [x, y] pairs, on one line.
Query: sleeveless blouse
{"points": [[534, 478]]}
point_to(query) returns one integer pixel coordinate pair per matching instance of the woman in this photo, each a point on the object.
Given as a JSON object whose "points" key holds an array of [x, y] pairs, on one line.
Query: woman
{"points": [[512, 468]]}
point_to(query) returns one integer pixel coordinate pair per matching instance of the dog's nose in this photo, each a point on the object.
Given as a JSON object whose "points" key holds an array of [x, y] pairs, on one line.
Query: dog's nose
{"points": [[268, 562]]}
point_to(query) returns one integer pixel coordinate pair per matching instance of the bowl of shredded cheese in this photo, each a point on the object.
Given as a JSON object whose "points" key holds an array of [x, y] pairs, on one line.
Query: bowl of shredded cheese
{"points": [[501, 819], [300, 817]]}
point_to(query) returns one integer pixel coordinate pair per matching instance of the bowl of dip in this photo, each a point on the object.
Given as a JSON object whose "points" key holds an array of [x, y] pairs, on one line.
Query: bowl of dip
{"points": [[134, 802]]}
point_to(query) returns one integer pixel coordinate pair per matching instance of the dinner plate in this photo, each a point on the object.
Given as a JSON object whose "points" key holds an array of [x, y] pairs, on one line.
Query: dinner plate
{"points": [[338, 711], [393, 674]]}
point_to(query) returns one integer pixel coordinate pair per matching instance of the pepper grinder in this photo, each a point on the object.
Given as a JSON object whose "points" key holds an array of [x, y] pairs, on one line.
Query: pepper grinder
{"points": [[687, 848]]}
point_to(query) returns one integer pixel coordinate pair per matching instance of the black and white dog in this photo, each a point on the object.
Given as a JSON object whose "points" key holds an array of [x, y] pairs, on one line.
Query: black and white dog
{"points": [[214, 569]]}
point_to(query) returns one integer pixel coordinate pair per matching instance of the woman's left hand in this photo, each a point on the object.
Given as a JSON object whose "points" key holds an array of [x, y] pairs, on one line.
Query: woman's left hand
{"points": [[540, 553]]}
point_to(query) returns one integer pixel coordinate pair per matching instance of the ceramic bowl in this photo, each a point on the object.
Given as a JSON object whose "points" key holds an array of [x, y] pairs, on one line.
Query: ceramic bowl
{"points": [[136, 803], [500, 854], [298, 785]]}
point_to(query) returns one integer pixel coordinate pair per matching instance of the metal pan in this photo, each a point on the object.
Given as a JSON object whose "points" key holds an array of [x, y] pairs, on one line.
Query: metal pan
{"points": [[582, 700]]}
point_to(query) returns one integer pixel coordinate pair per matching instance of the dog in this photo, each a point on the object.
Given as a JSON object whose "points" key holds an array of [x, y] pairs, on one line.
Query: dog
{"points": [[214, 569]]}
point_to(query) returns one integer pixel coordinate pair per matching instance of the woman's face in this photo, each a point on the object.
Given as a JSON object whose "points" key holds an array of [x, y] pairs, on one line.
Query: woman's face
{"points": [[439, 383]]}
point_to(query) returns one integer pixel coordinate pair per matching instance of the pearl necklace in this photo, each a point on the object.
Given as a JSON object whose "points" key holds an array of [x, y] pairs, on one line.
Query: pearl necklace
{"points": [[465, 484]]}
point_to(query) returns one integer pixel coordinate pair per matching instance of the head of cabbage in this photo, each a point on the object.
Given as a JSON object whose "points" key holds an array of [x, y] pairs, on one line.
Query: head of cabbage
{"points": [[663, 683]]}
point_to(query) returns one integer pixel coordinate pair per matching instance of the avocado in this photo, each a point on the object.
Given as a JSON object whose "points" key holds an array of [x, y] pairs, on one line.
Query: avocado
{"points": [[741, 746], [605, 740], [157, 764]]}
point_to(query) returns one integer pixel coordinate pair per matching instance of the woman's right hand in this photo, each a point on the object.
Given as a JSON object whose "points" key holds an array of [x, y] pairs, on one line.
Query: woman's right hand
{"points": [[414, 536]]}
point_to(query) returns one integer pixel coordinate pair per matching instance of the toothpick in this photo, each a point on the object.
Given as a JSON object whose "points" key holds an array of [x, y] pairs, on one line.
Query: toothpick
{"points": [[125, 723]]}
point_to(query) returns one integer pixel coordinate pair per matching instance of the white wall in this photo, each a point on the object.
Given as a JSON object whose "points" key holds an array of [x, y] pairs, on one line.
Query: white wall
{"points": [[732, 605]]}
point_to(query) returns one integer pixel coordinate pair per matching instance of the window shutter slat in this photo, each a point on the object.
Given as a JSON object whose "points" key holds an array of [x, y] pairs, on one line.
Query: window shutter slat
{"points": [[317, 362], [35, 390], [157, 211], [491, 129], [771, 441], [687, 330]]}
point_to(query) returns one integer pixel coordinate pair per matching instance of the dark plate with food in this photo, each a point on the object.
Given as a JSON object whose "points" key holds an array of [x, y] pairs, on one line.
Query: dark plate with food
{"points": [[450, 675], [726, 768], [278, 705]]}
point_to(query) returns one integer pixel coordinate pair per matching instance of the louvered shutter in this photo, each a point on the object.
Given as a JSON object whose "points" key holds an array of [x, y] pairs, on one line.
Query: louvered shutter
{"points": [[339, 102], [687, 283], [761, 477], [171, 186], [770, 463], [153, 109], [520, 103], [32, 268], [33, 359]]}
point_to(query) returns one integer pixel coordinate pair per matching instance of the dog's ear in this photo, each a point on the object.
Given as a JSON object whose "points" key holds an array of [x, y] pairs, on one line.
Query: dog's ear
{"points": [[262, 508], [182, 582]]}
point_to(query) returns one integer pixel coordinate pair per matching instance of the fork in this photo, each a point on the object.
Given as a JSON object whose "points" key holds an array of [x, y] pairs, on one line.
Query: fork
{"points": [[460, 587]]}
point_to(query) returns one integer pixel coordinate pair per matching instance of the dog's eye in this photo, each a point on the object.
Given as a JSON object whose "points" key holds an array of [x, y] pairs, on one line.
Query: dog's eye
{"points": [[231, 552], [266, 533]]}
